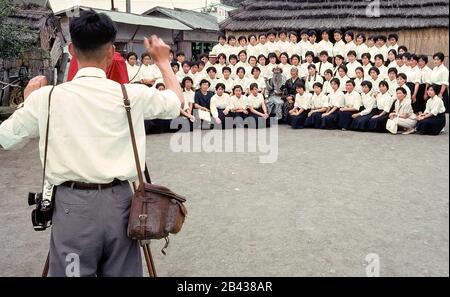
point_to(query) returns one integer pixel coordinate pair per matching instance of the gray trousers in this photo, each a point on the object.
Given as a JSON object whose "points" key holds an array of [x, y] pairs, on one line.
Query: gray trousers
{"points": [[89, 234]]}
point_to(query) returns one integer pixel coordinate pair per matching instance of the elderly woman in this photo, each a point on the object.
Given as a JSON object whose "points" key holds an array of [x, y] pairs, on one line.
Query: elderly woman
{"points": [[274, 88], [403, 113]]}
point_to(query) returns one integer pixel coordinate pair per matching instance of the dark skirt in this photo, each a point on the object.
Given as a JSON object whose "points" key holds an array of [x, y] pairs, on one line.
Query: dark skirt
{"points": [[260, 122], [298, 122], [157, 126], [445, 98], [314, 121], [378, 125], [345, 119], [286, 108], [330, 122], [420, 104], [432, 126], [224, 118], [362, 123]]}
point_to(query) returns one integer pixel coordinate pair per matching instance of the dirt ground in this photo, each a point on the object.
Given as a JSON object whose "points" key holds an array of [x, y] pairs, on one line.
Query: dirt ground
{"points": [[331, 199]]}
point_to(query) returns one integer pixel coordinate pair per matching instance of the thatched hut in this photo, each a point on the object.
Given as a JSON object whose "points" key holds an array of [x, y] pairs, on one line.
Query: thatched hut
{"points": [[422, 25]]}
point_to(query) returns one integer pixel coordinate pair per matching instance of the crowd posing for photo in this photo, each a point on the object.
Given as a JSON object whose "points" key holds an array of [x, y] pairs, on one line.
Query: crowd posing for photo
{"points": [[354, 83]]}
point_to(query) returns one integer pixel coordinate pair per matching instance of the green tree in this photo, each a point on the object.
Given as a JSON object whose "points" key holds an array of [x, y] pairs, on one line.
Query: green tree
{"points": [[13, 41]]}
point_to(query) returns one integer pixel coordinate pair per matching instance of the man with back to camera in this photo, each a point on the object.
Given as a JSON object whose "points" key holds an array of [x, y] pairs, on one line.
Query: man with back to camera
{"points": [[90, 155]]}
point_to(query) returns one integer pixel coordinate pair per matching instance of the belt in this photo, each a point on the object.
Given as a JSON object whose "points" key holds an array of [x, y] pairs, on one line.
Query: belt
{"points": [[87, 186]]}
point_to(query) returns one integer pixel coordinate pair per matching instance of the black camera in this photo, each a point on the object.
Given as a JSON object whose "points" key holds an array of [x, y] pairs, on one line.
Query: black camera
{"points": [[41, 216]]}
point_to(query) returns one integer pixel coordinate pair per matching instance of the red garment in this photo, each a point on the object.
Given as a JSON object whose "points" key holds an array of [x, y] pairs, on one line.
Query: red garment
{"points": [[117, 71]]}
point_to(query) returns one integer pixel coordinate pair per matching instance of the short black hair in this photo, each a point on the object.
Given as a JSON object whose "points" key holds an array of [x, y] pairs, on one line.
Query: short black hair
{"points": [[393, 35], [336, 81], [439, 55], [402, 89], [393, 69], [351, 53], [374, 68], [225, 69], [367, 84], [384, 83], [424, 58], [366, 55], [319, 85], [91, 30], [220, 85], [211, 68], [402, 47], [253, 86], [402, 75], [131, 54]]}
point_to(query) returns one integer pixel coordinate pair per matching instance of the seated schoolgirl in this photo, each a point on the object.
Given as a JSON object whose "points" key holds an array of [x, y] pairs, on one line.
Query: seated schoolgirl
{"points": [[202, 98], [319, 106], [337, 101], [352, 105], [384, 104], [342, 76], [375, 78], [257, 107], [257, 79], [403, 113], [227, 80], [238, 103], [369, 108], [220, 103], [241, 80], [433, 120], [297, 115]]}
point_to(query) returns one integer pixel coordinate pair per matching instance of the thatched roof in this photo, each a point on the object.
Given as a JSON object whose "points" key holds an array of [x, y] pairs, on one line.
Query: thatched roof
{"points": [[260, 15]]}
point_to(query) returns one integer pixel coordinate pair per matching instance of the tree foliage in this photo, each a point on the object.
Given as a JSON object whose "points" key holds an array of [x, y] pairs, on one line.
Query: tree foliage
{"points": [[13, 42]]}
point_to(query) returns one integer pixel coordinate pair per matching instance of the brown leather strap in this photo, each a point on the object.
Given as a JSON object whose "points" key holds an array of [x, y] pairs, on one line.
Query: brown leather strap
{"points": [[133, 138], [46, 136]]}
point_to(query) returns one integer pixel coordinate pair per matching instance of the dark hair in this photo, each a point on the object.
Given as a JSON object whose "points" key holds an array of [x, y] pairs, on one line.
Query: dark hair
{"points": [[231, 37], [220, 85], [393, 51], [323, 53], [406, 55], [272, 55], [366, 55], [253, 86], [351, 53], [255, 69], [374, 68], [393, 69], [240, 68], [439, 55], [237, 87], [174, 64], [292, 33], [311, 66], [350, 82], [393, 35], [180, 54], [222, 55], [402, 89], [325, 31], [300, 86], [361, 35], [402, 47], [312, 33], [318, 84], [186, 63], [183, 82], [381, 37], [226, 68], [242, 52], [262, 34], [131, 54], [336, 81], [282, 31], [296, 56], [160, 85], [379, 56], [367, 84], [384, 83], [424, 58], [350, 33], [339, 57], [91, 30], [435, 88], [309, 53], [402, 75], [343, 67], [205, 81], [360, 69], [329, 71], [242, 38], [284, 54], [221, 36], [272, 32], [414, 57], [212, 68], [144, 55], [337, 32], [233, 56], [252, 35]]}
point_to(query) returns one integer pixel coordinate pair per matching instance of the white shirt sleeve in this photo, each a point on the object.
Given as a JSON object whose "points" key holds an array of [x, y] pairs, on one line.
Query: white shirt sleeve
{"points": [[23, 125], [163, 105]]}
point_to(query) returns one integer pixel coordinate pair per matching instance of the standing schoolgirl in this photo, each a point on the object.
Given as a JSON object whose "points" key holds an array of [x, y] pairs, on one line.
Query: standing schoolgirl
{"points": [[323, 64], [257, 107], [385, 103], [295, 63], [233, 61], [359, 79], [219, 66], [319, 105], [403, 113], [349, 43], [242, 41], [413, 82], [325, 45], [338, 61], [312, 78], [188, 93], [337, 101], [220, 103], [352, 105], [273, 62], [379, 63], [392, 80], [302, 105], [262, 61], [339, 45], [361, 47], [439, 76], [252, 47], [342, 76], [284, 62], [369, 104], [243, 62], [392, 57], [425, 75], [433, 120], [226, 80], [212, 72], [352, 64], [132, 68], [328, 76], [303, 43], [366, 64], [375, 78], [309, 56]]}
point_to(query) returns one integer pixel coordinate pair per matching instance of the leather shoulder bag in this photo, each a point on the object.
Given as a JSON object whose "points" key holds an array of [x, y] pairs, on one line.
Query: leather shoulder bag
{"points": [[156, 211]]}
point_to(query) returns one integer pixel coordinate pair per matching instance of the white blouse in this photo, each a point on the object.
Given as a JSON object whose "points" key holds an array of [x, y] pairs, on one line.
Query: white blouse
{"points": [[384, 101], [219, 102], [439, 75], [352, 100], [238, 103], [319, 101], [337, 99], [303, 101], [435, 106], [369, 102], [256, 102]]}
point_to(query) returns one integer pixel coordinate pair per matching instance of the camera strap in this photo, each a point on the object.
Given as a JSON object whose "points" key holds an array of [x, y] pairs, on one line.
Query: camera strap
{"points": [[46, 138]]}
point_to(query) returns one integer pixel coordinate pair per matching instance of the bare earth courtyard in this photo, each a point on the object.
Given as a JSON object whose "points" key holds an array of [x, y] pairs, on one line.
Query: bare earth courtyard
{"points": [[331, 199]]}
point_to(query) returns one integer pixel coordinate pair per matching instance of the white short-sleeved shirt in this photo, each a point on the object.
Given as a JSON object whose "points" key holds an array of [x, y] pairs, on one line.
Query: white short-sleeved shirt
{"points": [[311, 80], [339, 49], [352, 100], [337, 99], [229, 84], [361, 49], [260, 82], [133, 73], [414, 75], [89, 138], [256, 102], [439, 75], [435, 106], [188, 98], [384, 101], [303, 101], [351, 68], [219, 102], [319, 101], [425, 75], [325, 46], [369, 102], [238, 103], [322, 67]]}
